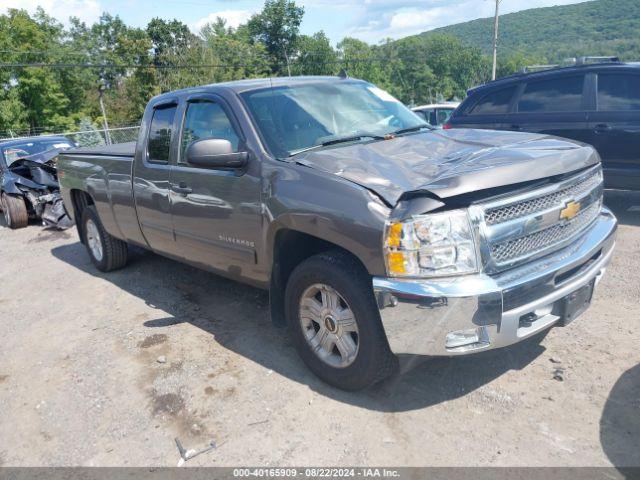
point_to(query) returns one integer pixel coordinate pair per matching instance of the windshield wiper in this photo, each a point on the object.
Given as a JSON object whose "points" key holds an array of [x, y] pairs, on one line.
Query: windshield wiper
{"points": [[411, 129], [335, 141]]}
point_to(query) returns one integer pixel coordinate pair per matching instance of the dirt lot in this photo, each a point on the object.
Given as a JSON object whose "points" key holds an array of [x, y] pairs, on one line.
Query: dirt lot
{"points": [[83, 382]]}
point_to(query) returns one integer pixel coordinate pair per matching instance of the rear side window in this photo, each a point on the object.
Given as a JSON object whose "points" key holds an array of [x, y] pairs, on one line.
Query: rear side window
{"points": [[556, 95], [618, 92], [424, 115], [206, 120], [160, 134], [494, 103], [443, 115]]}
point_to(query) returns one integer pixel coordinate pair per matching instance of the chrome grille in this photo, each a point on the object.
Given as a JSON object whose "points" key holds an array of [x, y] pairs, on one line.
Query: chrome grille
{"points": [[521, 209], [530, 224], [534, 243]]}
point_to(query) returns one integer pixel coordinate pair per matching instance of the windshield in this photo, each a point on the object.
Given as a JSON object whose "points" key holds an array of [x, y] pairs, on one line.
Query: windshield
{"points": [[294, 118], [20, 150]]}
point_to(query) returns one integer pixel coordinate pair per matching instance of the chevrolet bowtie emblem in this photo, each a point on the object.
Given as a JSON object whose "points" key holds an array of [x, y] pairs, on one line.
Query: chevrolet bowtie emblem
{"points": [[570, 210]]}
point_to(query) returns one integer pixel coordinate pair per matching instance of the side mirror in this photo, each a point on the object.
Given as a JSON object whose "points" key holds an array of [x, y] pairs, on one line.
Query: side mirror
{"points": [[215, 153]]}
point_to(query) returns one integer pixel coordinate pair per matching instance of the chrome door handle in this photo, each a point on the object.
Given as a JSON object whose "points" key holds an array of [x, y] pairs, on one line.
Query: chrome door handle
{"points": [[181, 189]]}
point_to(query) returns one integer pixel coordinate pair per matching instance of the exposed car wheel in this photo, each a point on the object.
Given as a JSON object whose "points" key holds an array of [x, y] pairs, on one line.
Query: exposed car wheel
{"points": [[15, 211], [107, 252], [335, 324]]}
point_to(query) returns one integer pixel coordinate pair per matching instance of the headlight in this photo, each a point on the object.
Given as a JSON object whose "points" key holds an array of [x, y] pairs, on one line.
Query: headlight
{"points": [[431, 245]]}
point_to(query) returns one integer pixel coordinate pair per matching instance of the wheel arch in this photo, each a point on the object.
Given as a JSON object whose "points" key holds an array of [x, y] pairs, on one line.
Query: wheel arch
{"points": [[289, 248], [8, 186], [80, 199]]}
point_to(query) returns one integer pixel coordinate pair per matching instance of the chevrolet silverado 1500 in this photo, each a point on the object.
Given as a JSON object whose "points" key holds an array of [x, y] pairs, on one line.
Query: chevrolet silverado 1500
{"points": [[375, 234]]}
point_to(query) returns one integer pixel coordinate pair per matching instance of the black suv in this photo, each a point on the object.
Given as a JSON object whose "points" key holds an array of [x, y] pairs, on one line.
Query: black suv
{"points": [[595, 103]]}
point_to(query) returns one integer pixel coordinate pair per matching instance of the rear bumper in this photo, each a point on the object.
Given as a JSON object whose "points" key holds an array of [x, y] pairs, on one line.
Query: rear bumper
{"points": [[497, 310]]}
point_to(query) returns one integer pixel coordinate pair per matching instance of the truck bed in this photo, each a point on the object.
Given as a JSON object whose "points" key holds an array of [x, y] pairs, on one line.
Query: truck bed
{"points": [[105, 173], [127, 149]]}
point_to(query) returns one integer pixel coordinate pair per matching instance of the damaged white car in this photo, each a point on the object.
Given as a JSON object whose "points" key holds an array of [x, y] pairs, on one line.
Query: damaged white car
{"points": [[29, 186]]}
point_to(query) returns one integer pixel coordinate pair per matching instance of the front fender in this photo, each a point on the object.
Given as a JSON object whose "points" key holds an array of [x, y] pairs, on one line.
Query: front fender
{"points": [[10, 183], [326, 207]]}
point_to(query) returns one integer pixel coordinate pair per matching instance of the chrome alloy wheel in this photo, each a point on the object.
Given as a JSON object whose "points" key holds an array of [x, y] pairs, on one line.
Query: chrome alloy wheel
{"points": [[329, 325], [93, 240]]}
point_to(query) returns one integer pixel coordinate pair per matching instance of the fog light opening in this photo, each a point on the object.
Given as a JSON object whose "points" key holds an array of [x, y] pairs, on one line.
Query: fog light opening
{"points": [[465, 338]]}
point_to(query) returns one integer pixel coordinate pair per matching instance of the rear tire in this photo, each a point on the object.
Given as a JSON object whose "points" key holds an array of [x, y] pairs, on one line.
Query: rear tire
{"points": [[15, 211], [335, 324], [106, 252]]}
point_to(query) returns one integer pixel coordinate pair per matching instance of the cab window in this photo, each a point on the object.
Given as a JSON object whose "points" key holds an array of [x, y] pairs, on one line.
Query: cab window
{"points": [[160, 134], [494, 103], [556, 95], [618, 92], [206, 119]]}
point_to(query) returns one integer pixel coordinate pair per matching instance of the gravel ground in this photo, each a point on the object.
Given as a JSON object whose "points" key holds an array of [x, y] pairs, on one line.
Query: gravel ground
{"points": [[107, 369]]}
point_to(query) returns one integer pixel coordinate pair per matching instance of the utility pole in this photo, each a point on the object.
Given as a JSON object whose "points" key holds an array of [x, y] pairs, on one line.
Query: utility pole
{"points": [[287, 59], [495, 42], [101, 88]]}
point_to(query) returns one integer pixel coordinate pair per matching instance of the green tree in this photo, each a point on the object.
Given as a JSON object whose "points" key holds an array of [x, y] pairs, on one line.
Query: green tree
{"points": [[510, 64], [315, 56], [169, 38], [110, 41], [436, 67], [277, 26], [89, 135], [174, 48], [45, 106], [234, 56], [13, 116], [361, 60]]}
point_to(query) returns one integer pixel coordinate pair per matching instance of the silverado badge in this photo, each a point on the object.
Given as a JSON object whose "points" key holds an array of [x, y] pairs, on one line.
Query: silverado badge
{"points": [[570, 210]]}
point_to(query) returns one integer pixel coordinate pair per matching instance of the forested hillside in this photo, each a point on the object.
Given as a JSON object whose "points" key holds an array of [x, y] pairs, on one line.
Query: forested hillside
{"points": [[52, 73], [599, 27]]}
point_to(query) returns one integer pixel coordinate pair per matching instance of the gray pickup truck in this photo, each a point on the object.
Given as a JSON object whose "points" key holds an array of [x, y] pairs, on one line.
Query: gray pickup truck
{"points": [[375, 234]]}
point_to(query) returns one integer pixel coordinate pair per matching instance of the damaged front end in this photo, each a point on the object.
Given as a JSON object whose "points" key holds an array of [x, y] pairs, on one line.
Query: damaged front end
{"points": [[35, 178]]}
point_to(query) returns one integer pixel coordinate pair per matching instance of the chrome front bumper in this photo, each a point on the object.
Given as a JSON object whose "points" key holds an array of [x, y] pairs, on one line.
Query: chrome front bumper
{"points": [[502, 309]]}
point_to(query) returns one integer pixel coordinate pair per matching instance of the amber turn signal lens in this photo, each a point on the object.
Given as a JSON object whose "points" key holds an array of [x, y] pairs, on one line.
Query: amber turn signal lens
{"points": [[396, 262], [394, 235]]}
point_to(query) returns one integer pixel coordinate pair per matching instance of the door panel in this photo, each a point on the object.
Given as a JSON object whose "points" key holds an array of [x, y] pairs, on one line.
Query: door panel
{"points": [[571, 125], [615, 129], [151, 182], [217, 223], [216, 213], [553, 106]]}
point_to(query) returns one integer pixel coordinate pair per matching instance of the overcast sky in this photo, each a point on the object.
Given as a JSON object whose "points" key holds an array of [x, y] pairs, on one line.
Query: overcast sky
{"points": [[369, 20]]}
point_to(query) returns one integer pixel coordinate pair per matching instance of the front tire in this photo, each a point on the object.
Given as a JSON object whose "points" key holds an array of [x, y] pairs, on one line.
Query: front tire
{"points": [[335, 324], [106, 252], [15, 211]]}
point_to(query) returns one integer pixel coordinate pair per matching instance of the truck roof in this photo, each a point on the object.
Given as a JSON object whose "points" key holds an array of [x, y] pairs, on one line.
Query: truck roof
{"points": [[553, 72], [239, 86]]}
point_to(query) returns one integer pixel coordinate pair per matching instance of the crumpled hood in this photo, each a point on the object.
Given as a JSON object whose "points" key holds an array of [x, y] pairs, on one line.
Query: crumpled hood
{"points": [[38, 159], [451, 162], [39, 170]]}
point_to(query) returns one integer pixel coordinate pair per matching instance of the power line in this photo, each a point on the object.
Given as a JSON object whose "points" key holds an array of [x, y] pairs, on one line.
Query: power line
{"points": [[414, 50], [173, 66], [114, 66]]}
